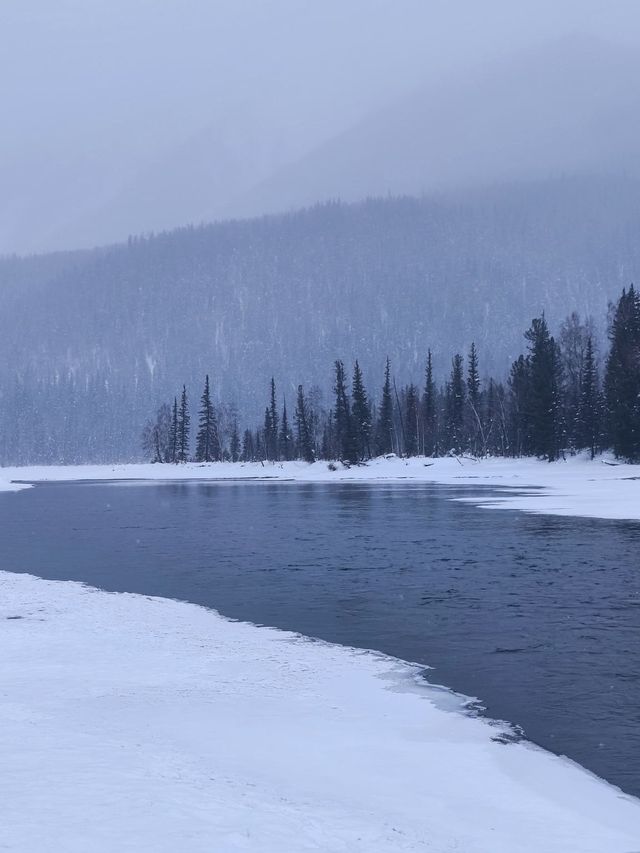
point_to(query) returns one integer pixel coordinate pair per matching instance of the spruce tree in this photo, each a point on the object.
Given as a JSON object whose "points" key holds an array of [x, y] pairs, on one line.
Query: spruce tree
{"points": [[184, 427], [544, 391], [360, 415], [456, 405], [474, 421], [342, 417], [429, 441], [588, 426], [305, 444], [384, 425], [271, 433], [173, 433], [411, 421], [622, 380], [285, 439], [207, 440]]}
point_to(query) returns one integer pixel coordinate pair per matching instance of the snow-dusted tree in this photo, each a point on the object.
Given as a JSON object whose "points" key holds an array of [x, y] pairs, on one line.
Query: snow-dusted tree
{"points": [[360, 415], [184, 428], [207, 440], [384, 425]]}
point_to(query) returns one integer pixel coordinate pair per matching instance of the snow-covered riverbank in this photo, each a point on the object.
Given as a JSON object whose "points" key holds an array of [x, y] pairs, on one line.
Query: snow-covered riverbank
{"points": [[129, 723], [598, 489]]}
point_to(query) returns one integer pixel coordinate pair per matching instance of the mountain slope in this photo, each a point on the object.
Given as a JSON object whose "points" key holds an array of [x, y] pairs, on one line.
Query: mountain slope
{"points": [[91, 342]]}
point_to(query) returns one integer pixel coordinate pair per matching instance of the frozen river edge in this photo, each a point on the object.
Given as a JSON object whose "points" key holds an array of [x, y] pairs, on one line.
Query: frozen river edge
{"points": [[602, 488], [133, 723]]}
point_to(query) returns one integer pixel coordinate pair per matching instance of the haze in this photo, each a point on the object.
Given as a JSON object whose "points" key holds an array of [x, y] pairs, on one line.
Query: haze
{"points": [[127, 117]]}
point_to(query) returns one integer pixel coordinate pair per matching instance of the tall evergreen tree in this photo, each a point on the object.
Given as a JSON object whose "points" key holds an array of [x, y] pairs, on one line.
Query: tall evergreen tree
{"points": [[622, 380], [429, 410], [588, 420], [184, 427], [305, 444], [384, 425], [342, 417], [475, 430], [411, 421], [456, 405], [207, 440], [543, 412], [286, 439], [173, 433], [360, 415]]}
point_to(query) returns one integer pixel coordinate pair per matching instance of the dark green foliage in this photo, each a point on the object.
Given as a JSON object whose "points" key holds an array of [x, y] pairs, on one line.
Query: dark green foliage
{"points": [[384, 427], [184, 428], [429, 424], [360, 416], [455, 405], [271, 449], [411, 421], [207, 440], [622, 380], [474, 427], [589, 408], [543, 393], [286, 437], [305, 444], [173, 433], [344, 431]]}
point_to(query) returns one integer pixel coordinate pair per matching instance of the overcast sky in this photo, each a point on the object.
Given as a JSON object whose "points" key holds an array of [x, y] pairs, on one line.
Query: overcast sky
{"points": [[94, 91]]}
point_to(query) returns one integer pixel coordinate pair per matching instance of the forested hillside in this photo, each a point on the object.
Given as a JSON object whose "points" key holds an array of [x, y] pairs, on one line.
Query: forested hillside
{"points": [[91, 342]]}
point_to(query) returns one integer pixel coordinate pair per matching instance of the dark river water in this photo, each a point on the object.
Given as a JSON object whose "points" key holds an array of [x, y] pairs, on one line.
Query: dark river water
{"points": [[537, 616]]}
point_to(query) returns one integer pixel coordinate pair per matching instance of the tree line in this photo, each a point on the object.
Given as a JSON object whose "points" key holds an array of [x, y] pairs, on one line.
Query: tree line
{"points": [[559, 396]]}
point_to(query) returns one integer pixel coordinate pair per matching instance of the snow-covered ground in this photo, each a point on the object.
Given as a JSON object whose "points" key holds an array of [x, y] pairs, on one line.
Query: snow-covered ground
{"points": [[598, 489], [137, 724]]}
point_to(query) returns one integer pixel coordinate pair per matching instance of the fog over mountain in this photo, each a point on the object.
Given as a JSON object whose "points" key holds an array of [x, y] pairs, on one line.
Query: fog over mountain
{"points": [[127, 117], [92, 342]]}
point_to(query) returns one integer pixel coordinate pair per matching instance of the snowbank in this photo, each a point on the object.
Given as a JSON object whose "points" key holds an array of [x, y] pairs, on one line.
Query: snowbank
{"points": [[137, 724], [598, 489]]}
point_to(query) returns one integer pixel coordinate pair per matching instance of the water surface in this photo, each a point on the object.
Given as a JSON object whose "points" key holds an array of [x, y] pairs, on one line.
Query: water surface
{"points": [[538, 616]]}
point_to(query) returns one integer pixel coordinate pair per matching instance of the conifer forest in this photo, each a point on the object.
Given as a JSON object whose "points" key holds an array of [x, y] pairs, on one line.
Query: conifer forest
{"points": [[563, 394]]}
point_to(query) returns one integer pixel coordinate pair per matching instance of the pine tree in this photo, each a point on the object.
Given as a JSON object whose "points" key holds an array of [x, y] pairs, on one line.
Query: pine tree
{"points": [[207, 440], [305, 445], [384, 425], [429, 441], [173, 433], [456, 405], [588, 427], [360, 415], [342, 417], [286, 439], [184, 427], [411, 419], [622, 380], [543, 411], [271, 425], [475, 431]]}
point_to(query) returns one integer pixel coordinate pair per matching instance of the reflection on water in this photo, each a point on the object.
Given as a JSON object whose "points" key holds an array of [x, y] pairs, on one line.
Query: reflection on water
{"points": [[539, 616]]}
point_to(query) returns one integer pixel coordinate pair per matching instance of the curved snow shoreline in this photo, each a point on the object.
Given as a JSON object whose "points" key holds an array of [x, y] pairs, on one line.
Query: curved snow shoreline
{"points": [[137, 723], [577, 487]]}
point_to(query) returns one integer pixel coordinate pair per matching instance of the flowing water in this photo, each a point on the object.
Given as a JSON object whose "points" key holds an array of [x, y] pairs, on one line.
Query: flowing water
{"points": [[538, 616]]}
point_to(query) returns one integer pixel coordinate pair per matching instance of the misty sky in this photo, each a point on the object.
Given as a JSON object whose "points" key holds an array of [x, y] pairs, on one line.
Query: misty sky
{"points": [[100, 97]]}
